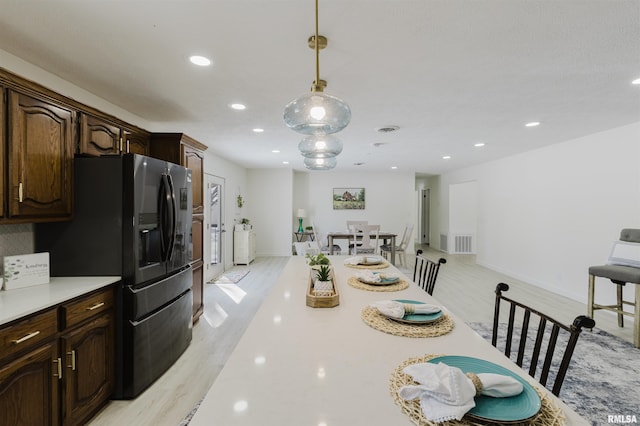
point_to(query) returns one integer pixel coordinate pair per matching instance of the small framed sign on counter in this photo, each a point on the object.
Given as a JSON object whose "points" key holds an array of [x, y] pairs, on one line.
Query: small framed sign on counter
{"points": [[26, 270]]}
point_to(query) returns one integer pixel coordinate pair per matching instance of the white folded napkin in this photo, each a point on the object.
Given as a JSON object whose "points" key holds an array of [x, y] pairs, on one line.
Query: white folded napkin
{"points": [[394, 309], [446, 393], [353, 260], [368, 276], [357, 260]]}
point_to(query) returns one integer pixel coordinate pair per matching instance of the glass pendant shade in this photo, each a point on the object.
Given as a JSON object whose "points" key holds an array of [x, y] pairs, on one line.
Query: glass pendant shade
{"points": [[320, 163], [320, 146], [317, 113]]}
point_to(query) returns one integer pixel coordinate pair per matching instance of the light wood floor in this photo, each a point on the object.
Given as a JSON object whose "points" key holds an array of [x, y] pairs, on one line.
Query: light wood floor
{"points": [[464, 287]]}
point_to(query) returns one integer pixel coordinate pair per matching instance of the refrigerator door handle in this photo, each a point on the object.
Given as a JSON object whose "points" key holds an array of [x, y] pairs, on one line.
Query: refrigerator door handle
{"points": [[166, 218], [174, 217]]}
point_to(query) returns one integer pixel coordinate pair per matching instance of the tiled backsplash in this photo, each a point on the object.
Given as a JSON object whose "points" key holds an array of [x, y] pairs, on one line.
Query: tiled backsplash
{"points": [[16, 239]]}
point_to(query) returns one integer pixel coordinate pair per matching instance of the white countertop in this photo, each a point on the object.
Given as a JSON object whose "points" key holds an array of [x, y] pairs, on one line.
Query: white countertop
{"points": [[19, 302], [296, 365]]}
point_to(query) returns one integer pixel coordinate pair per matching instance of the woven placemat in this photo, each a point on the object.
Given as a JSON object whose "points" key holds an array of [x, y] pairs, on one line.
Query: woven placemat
{"points": [[550, 414], [372, 317], [382, 265], [356, 283]]}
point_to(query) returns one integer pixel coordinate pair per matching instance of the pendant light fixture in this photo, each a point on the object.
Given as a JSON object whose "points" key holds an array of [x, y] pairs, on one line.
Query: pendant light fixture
{"points": [[327, 163], [320, 146], [317, 113]]}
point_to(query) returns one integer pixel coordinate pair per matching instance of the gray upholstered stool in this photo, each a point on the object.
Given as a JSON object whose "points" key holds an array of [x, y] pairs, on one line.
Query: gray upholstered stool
{"points": [[620, 275]]}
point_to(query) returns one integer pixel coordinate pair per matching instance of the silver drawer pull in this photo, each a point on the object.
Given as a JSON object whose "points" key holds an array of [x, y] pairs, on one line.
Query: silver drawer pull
{"points": [[96, 306], [27, 337], [58, 362], [72, 354]]}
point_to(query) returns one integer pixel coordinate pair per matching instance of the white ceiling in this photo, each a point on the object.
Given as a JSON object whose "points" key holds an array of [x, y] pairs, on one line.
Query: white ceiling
{"points": [[450, 73]]}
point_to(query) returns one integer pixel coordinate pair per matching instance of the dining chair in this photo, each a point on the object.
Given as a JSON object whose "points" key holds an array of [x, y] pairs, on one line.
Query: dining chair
{"points": [[547, 340], [385, 249], [365, 239], [352, 223], [425, 271], [322, 242], [623, 266]]}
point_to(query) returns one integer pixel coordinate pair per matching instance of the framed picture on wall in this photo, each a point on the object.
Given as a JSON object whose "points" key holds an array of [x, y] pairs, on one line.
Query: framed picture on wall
{"points": [[348, 198]]}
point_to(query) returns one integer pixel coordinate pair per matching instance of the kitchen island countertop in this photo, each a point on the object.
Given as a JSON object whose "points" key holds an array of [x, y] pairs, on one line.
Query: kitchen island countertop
{"points": [[17, 303]]}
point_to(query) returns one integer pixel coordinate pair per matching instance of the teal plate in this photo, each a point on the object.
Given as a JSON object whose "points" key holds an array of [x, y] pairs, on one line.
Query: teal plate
{"points": [[383, 281], [513, 409], [417, 318]]}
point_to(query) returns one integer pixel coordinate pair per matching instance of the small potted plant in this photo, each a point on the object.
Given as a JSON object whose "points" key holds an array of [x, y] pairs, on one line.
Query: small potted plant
{"points": [[323, 285], [317, 260]]}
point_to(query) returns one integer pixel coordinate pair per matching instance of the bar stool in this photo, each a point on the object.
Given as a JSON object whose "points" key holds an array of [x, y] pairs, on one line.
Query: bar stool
{"points": [[620, 269]]}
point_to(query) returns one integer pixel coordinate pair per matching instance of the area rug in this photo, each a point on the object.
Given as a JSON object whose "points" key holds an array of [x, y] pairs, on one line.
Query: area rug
{"points": [[231, 277], [603, 379]]}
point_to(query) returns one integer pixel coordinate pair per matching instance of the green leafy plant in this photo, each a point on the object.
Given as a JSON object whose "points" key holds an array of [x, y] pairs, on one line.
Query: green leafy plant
{"points": [[324, 273], [318, 259], [244, 221], [309, 228], [240, 201]]}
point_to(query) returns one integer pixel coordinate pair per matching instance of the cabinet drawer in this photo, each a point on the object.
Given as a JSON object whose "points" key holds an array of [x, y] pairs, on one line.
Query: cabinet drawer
{"points": [[79, 310], [28, 332]]}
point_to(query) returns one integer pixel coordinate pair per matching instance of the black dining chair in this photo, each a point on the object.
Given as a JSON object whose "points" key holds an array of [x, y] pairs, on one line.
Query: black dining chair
{"points": [[557, 352], [425, 272]]}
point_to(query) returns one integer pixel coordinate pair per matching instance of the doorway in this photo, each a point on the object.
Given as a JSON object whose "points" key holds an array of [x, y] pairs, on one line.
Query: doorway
{"points": [[214, 227]]}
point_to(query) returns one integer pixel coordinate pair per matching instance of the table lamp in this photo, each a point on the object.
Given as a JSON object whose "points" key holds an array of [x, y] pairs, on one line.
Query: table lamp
{"points": [[301, 214]]}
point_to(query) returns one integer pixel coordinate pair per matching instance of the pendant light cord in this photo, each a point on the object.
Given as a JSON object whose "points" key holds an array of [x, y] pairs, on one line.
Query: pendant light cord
{"points": [[317, 43]]}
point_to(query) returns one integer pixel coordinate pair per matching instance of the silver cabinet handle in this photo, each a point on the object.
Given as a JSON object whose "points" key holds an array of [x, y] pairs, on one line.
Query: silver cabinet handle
{"points": [[27, 337], [59, 364], [96, 306], [73, 360]]}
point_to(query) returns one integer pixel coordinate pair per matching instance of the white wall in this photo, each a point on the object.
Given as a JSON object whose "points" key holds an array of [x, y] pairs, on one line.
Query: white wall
{"points": [[389, 200], [545, 216], [269, 201]]}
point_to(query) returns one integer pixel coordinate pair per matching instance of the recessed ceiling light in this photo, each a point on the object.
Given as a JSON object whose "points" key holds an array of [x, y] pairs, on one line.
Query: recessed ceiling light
{"points": [[238, 107], [394, 167], [285, 162], [446, 157], [636, 81], [200, 60], [387, 129], [532, 124], [275, 151], [479, 144], [258, 130]]}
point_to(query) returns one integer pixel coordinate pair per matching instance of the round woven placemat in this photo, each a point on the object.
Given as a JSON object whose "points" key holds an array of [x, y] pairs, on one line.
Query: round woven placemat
{"points": [[550, 414], [356, 283], [372, 317], [382, 265]]}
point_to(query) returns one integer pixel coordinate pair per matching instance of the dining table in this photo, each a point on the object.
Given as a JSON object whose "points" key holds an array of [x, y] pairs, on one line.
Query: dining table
{"points": [[384, 236], [332, 366]]}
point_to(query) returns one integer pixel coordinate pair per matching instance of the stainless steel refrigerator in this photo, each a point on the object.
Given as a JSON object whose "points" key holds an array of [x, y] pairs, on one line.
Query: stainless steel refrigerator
{"points": [[132, 218]]}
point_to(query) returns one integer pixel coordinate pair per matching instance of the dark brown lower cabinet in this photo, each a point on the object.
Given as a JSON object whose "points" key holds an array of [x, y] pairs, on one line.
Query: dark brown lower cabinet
{"points": [[89, 373], [63, 377], [28, 388]]}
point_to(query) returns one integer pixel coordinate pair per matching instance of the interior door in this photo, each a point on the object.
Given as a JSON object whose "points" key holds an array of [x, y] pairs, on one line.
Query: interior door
{"points": [[214, 227]]}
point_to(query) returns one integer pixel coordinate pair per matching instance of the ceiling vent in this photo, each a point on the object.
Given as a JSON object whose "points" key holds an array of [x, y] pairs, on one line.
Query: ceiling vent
{"points": [[387, 129]]}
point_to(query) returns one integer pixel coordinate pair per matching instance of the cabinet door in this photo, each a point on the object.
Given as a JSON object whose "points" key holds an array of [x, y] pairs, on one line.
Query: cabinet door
{"points": [[89, 358], [98, 137], [29, 388], [194, 159], [3, 142], [198, 291], [136, 143], [40, 159]]}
